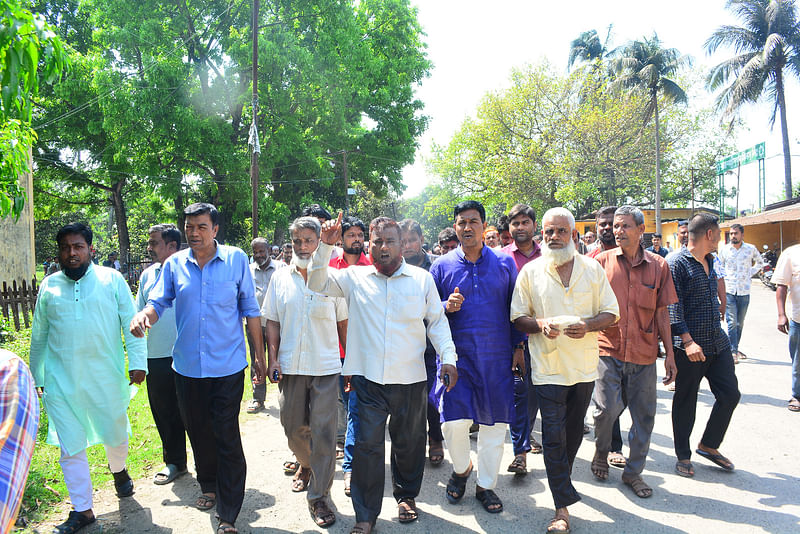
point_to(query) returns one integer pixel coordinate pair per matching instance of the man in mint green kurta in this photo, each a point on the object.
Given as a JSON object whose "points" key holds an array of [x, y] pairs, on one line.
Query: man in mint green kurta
{"points": [[77, 359]]}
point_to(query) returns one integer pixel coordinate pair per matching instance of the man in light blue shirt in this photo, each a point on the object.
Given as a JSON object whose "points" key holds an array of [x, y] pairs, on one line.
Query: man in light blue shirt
{"points": [[212, 289], [164, 240]]}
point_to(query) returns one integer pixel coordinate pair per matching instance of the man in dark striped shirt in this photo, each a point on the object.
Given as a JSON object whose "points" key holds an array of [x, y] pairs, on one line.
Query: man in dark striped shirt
{"points": [[702, 348]]}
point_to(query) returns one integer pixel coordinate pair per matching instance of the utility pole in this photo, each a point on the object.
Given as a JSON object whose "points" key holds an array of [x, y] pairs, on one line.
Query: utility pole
{"points": [[345, 173], [691, 213], [253, 141]]}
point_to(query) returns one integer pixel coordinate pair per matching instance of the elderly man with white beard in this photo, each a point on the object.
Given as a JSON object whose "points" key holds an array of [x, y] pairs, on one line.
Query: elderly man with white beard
{"points": [[562, 299]]}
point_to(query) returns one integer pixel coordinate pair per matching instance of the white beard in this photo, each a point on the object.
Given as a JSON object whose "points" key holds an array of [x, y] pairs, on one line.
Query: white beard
{"points": [[299, 262], [558, 256]]}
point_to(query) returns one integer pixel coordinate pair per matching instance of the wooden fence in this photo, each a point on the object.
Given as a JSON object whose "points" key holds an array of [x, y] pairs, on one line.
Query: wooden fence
{"points": [[18, 300]]}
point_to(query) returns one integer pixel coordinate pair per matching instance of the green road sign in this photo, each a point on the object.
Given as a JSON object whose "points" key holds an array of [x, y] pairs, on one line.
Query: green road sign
{"points": [[744, 157]]}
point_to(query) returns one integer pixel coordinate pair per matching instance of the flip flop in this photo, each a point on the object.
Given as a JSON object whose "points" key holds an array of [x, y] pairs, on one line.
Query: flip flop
{"points": [[684, 469], [554, 527], [616, 459], [168, 474], [718, 459], [204, 502], [290, 467]]}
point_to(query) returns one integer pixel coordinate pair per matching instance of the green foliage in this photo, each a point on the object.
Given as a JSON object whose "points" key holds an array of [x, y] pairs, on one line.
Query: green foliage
{"points": [[164, 93], [28, 50], [553, 139]]}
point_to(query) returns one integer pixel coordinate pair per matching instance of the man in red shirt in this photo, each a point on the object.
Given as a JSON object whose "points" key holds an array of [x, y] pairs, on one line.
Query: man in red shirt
{"points": [[353, 234]]}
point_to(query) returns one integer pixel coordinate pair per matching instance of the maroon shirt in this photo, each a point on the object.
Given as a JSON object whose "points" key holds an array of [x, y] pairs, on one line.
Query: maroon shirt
{"points": [[519, 258]]}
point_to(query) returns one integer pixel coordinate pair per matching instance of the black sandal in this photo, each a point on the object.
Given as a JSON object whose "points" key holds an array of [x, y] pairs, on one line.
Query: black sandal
{"points": [[74, 523], [489, 498], [457, 486]]}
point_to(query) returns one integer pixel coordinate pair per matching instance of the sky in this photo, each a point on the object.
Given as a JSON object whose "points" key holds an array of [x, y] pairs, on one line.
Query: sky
{"points": [[474, 45]]}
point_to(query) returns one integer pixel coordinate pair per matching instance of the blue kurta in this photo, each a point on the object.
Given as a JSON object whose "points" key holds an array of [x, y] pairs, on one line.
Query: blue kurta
{"points": [[483, 335], [77, 355]]}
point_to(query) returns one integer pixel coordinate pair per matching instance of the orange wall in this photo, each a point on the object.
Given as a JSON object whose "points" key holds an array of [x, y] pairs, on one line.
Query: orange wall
{"points": [[768, 234]]}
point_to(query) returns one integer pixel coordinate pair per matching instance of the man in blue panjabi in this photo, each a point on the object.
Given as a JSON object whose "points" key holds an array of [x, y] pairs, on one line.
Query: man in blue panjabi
{"points": [[476, 284]]}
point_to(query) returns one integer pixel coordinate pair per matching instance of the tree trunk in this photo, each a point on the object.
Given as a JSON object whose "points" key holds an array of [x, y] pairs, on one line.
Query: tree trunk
{"points": [[787, 156], [121, 218], [658, 170]]}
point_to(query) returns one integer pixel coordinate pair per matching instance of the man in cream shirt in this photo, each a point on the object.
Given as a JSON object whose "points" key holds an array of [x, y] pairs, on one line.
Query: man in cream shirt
{"points": [[392, 306], [562, 299], [303, 334]]}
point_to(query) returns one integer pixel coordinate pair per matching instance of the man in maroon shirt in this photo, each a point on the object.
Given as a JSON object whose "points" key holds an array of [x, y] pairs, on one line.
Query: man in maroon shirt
{"points": [[522, 225]]}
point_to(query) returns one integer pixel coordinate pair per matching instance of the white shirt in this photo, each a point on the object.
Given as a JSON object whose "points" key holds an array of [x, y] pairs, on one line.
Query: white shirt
{"points": [[261, 278], [787, 273], [740, 266], [162, 335], [309, 340], [388, 315]]}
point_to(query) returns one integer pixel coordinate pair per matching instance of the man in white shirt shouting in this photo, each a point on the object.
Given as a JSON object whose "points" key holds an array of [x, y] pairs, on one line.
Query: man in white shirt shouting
{"points": [[392, 307]]}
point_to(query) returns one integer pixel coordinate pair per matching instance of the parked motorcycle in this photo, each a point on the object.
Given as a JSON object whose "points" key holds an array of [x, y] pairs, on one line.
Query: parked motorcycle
{"points": [[770, 260]]}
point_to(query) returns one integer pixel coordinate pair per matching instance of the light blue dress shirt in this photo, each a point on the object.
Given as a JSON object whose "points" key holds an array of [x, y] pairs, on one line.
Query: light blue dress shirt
{"points": [[209, 306], [162, 335]]}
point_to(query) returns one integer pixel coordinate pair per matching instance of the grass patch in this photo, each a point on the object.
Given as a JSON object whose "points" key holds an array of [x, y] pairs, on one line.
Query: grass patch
{"points": [[45, 490]]}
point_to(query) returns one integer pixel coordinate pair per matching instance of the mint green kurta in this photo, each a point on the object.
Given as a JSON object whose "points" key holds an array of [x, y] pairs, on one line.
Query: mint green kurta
{"points": [[77, 355]]}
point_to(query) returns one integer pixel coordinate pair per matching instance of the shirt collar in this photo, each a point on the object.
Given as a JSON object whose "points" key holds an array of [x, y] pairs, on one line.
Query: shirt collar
{"points": [[462, 257], [640, 257], [401, 271], [221, 253], [514, 248]]}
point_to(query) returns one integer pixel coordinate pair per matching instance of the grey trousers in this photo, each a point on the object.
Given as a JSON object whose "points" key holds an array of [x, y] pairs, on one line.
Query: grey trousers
{"points": [[308, 414], [639, 384]]}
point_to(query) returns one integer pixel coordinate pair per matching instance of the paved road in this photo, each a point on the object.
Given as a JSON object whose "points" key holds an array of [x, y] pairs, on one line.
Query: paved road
{"points": [[763, 495]]}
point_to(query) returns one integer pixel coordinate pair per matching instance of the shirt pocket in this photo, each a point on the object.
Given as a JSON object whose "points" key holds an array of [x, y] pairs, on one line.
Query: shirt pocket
{"points": [[408, 309], [583, 303], [225, 293], [322, 307]]}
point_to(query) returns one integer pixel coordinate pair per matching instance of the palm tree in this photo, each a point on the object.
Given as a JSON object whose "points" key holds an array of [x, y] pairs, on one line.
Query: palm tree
{"points": [[588, 48], [646, 65], [767, 41]]}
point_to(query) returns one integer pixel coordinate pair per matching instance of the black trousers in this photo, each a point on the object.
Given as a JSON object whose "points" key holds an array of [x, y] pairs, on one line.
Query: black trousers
{"points": [[562, 409], [434, 418], [405, 405], [166, 414], [210, 412], [719, 371], [260, 390]]}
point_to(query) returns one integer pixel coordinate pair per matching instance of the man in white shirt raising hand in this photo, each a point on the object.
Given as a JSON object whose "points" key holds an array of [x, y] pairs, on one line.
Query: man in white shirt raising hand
{"points": [[392, 307]]}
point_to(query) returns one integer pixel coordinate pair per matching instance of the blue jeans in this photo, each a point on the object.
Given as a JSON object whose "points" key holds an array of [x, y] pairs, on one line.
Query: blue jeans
{"points": [[735, 311], [526, 404], [351, 402], [794, 352]]}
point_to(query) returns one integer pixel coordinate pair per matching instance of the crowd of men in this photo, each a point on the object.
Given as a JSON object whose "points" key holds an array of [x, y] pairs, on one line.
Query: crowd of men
{"points": [[359, 325]]}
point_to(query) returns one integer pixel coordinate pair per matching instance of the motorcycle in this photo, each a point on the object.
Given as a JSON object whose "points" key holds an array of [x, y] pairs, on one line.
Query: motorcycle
{"points": [[765, 274]]}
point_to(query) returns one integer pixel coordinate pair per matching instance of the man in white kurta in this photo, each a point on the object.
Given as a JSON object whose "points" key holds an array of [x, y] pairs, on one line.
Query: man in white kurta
{"points": [[78, 363]]}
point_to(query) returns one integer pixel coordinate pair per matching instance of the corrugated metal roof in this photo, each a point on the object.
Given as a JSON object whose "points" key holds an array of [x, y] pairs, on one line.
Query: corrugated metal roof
{"points": [[788, 213]]}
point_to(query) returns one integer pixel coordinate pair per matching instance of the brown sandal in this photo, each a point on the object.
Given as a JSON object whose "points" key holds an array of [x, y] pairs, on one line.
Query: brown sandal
{"points": [[358, 529], [435, 452], [617, 459], [301, 479], [554, 527], [519, 466], [322, 514], [639, 487], [407, 510]]}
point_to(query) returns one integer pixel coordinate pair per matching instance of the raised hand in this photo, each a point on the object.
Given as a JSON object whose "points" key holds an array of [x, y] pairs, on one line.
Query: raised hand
{"points": [[454, 301], [332, 230]]}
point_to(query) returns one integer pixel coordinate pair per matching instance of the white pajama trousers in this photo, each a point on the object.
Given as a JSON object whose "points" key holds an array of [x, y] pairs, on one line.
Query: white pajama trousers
{"points": [[490, 448], [76, 473]]}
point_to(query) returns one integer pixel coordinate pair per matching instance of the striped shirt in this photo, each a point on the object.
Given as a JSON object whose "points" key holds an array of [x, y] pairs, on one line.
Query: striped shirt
{"points": [[19, 413]]}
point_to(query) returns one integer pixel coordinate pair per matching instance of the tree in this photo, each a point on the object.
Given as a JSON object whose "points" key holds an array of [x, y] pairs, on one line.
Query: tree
{"points": [[27, 44], [588, 49], [647, 66], [767, 45], [166, 91]]}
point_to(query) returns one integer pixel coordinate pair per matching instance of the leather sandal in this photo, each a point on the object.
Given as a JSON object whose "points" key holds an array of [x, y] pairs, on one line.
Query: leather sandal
{"points": [[639, 487], [488, 498], [407, 510], [301, 479], [554, 527], [457, 486], [322, 514], [75, 521], [519, 466]]}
